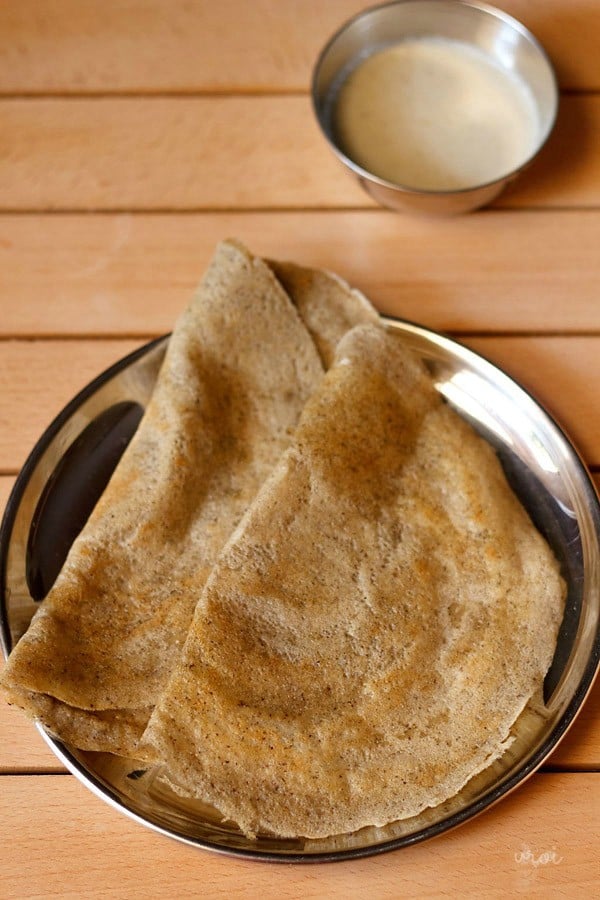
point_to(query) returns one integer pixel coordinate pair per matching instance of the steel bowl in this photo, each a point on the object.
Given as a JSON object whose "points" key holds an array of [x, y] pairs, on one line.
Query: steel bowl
{"points": [[505, 40]]}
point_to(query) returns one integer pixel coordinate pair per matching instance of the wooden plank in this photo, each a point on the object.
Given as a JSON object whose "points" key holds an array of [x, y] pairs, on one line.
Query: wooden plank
{"points": [[131, 274], [69, 46], [215, 152], [37, 379], [541, 841], [230, 153], [23, 750]]}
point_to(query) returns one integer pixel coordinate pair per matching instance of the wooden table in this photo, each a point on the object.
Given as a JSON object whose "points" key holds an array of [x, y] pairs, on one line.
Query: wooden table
{"points": [[134, 135]]}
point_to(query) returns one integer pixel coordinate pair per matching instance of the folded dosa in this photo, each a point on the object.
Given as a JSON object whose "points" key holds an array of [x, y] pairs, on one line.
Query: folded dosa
{"points": [[329, 307], [376, 623], [239, 367]]}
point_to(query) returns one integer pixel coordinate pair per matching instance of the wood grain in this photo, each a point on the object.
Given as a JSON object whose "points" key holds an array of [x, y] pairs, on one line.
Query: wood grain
{"points": [[103, 854], [131, 274], [38, 377], [230, 152], [153, 45]]}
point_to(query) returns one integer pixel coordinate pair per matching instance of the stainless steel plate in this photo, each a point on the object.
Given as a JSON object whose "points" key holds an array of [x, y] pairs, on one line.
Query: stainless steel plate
{"points": [[70, 465]]}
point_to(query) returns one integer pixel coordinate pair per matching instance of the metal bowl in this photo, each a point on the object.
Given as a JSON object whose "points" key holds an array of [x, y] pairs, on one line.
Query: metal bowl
{"points": [[70, 466], [502, 38]]}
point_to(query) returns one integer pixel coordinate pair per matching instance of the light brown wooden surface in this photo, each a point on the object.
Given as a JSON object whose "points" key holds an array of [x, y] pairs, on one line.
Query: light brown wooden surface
{"points": [[102, 854], [66, 46], [120, 274], [560, 371], [209, 153], [135, 135]]}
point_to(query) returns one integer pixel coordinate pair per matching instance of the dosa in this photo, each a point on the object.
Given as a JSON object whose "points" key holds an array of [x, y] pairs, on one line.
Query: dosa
{"points": [[376, 623], [239, 367]]}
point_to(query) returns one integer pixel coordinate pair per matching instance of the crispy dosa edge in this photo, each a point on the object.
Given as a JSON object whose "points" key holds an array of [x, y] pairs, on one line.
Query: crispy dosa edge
{"points": [[113, 730]]}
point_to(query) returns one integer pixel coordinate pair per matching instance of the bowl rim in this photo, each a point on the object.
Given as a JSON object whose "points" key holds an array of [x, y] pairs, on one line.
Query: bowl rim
{"points": [[365, 174]]}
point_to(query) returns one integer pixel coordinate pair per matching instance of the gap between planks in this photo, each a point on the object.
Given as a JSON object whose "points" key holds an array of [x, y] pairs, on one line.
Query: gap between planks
{"points": [[103, 854], [183, 94], [176, 94], [153, 335], [192, 211]]}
